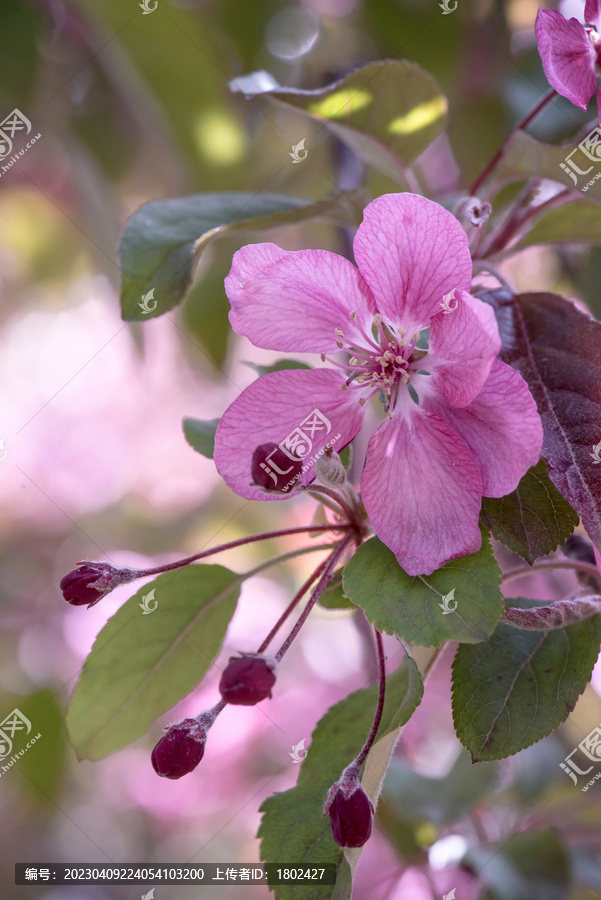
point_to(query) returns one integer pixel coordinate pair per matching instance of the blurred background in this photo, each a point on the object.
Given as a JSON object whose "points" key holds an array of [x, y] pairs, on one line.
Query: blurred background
{"points": [[94, 465]]}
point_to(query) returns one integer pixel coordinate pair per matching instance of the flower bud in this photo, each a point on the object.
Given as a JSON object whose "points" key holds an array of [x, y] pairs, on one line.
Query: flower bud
{"points": [[92, 581], [274, 470], [329, 469], [350, 816], [247, 679], [180, 750]]}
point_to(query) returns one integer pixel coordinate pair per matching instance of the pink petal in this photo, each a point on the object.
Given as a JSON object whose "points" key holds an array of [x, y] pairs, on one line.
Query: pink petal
{"points": [[422, 491], [270, 409], [463, 345], [294, 300], [411, 252], [592, 13], [567, 56], [501, 427]]}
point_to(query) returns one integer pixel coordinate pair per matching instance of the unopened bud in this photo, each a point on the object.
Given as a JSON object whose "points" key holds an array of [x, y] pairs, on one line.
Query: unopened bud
{"points": [[472, 211], [329, 469], [351, 812], [92, 581], [273, 470], [180, 750], [248, 679]]}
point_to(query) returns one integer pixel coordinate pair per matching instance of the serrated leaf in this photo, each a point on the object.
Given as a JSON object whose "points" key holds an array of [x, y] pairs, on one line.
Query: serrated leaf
{"points": [[281, 365], [201, 435], [524, 157], [387, 111], [578, 222], [556, 348], [162, 241], [534, 519], [519, 686], [293, 825], [142, 665], [413, 606], [528, 866]]}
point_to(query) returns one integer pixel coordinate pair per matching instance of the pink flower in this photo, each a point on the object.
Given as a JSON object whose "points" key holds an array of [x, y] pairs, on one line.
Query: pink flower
{"points": [[475, 430], [569, 52]]}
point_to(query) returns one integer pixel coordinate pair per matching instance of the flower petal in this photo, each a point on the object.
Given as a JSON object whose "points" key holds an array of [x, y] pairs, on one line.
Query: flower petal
{"points": [[274, 407], [592, 13], [567, 56], [294, 300], [501, 427], [463, 345], [422, 491], [411, 252]]}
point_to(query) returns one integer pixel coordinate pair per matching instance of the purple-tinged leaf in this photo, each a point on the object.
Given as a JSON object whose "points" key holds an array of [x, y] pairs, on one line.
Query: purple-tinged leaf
{"points": [[556, 615]]}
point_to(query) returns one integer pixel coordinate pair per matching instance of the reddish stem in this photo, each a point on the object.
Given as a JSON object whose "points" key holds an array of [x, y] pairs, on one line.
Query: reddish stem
{"points": [[317, 592], [292, 604], [519, 127], [180, 563], [380, 707], [548, 566]]}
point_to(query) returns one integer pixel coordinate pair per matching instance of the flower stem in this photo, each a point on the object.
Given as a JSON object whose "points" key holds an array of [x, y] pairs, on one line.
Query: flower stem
{"points": [[548, 566], [328, 492], [380, 707], [326, 577], [522, 124], [314, 575], [180, 563]]}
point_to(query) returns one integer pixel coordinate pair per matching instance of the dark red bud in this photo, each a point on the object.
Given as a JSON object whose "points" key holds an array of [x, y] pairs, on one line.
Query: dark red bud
{"points": [[77, 586], [247, 680], [350, 817], [180, 750], [273, 470]]}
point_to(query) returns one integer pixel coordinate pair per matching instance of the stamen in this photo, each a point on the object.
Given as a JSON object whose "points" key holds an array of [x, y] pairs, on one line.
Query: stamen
{"points": [[323, 357], [415, 336], [339, 344], [339, 332]]}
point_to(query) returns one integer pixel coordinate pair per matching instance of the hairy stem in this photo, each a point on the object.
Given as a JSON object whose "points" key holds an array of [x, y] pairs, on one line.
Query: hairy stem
{"points": [[380, 707], [297, 597]]}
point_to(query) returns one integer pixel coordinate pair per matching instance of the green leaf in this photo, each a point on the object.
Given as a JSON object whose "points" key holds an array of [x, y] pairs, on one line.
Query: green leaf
{"points": [[143, 664], [334, 597], [529, 866], [525, 157], [280, 366], [578, 222], [519, 686], [534, 519], [410, 606], [201, 435], [387, 111], [163, 240], [293, 825]]}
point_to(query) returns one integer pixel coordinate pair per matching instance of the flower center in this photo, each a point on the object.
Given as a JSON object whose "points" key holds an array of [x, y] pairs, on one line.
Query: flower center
{"points": [[380, 363]]}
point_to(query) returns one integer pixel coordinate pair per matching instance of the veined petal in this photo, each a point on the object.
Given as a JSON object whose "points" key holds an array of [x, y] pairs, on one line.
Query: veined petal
{"points": [[422, 491], [411, 252], [501, 427], [463, 345], [567, 56], [305, 405], [295, 300], [592, 13]]}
